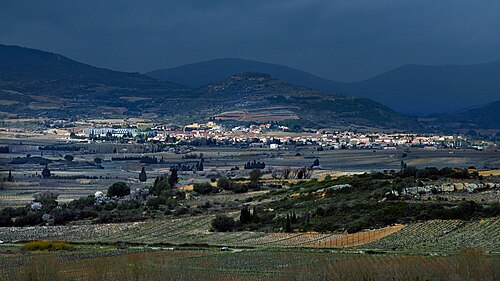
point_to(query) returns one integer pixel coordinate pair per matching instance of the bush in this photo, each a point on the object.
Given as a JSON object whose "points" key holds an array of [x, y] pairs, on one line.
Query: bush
{"points": [[118, 189], [239, 188], [204, 188], [46, 246], [224, 183], [181, 211], [255, 175], [223, 223], [155, 202], [69, 158]]}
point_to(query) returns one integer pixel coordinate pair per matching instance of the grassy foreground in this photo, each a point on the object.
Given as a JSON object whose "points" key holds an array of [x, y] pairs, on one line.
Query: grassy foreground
{"points": [[253, 264]]}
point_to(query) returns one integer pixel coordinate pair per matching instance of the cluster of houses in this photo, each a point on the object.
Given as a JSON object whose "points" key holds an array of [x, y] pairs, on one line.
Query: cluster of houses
{"points": [[276, 137]]}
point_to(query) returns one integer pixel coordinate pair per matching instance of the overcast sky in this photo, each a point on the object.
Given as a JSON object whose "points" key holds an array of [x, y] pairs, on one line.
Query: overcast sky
{"points": [[342, 40]]}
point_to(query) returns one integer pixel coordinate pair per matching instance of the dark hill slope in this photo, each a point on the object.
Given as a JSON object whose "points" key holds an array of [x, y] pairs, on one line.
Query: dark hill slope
{"points": [[37, 72], [482, 117], [256, 96], [38, 83]]}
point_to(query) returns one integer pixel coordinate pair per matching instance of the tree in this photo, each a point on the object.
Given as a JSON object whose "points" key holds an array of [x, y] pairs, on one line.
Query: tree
{"points": [[245, 216], [300, 174], [98, 160], [46, 172], [288, 224], [47, 198], [224, 183], [315, 163], [10, 177], [255, 175], [69, 158], [118, 189], [223, 223], [173, 179], [255, 215], [160, 185], [142, 176], [403, 165]]}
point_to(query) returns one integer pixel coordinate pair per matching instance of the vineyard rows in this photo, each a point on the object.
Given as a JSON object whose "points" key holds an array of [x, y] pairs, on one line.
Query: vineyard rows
{"points": [[444, 235], [438, 234]]}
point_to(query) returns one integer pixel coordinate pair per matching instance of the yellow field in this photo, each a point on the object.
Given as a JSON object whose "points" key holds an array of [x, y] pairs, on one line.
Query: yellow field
{"points": [[490, 173]]}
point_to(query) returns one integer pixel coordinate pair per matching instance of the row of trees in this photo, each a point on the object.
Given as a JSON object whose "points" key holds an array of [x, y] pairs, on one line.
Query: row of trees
{"points": [[287, 173]]}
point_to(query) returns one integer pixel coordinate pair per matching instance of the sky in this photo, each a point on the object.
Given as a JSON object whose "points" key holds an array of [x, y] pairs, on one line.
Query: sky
{"points": [[343, 40]]}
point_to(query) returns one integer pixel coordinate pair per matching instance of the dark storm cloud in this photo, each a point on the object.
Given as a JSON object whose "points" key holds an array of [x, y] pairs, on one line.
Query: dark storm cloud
{"points": [[342, 40]]}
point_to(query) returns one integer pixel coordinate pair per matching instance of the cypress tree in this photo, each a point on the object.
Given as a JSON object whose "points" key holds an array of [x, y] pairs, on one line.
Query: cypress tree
{"points": [[173, 179], [255, 215], [245, 216], [46, 172], [288, 224], [143, 176]]}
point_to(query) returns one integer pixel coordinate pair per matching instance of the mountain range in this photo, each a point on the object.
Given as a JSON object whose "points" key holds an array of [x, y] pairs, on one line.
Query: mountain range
{"points": [[38, 83], [410, 89]]}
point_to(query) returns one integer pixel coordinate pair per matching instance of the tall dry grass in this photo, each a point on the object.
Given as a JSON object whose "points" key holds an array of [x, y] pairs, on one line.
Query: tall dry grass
{"points": [[468, 264]]}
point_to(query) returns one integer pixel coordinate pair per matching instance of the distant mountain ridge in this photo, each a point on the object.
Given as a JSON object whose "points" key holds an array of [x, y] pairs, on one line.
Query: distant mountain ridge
{"points": [[203, 73], [432, 89], [413, 89]]}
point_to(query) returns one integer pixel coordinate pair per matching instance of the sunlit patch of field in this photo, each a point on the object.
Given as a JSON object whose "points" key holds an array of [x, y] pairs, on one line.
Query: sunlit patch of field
{"points": [[108, 121], [490, 173], [44, 105], [9, 102], [24, 120], [359, 238], [259, 115], [134, 99]]}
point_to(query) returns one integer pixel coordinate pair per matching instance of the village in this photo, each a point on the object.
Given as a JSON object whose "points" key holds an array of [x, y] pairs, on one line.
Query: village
{"points": [[264, 135]]}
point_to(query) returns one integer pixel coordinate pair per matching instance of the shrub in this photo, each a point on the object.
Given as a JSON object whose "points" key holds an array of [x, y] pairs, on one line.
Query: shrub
{"points": [[181, 211], [224, 183], [46, 246], [155, 202], [118, 189], [69, 158], [255, 175], [223, 223], [204, 188], [239, 188]]}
